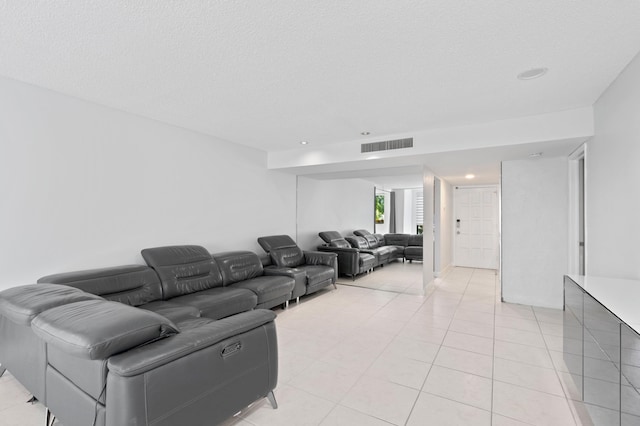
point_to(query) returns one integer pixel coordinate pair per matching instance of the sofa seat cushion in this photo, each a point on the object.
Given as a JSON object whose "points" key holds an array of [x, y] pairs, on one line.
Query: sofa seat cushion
{"points": [[220, 302], [413, 253], [396, 251], [383, 252], [366, 261], [173, 311], [268, 288], [23, 303]]}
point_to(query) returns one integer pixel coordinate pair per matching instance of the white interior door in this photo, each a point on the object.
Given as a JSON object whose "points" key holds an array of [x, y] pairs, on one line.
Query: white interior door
{"points": [[476, 227]]}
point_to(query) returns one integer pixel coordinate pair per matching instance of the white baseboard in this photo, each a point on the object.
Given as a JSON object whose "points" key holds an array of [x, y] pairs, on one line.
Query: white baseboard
{"points": [[446, 269]]}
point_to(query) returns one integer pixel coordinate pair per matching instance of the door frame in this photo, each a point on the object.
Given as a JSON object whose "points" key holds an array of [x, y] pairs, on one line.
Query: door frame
{"points": [[574, 208]]}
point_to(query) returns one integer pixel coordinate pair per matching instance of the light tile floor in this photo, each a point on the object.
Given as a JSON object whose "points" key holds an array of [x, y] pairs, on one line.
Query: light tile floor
{"points": [[391, 355]]}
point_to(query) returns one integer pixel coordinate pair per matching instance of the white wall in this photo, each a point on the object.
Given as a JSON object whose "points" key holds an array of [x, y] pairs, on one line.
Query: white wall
{"points": [[341, 205], [613, 179], [85, 186], [446, 227], [427, 242], [534, 231]]}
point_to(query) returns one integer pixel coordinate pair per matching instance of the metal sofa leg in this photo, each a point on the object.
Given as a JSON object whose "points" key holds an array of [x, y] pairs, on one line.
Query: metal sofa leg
{"points": [[272, 400], [298, 300], [335, 286], [49, 418], [2, 370], [286, 304]]}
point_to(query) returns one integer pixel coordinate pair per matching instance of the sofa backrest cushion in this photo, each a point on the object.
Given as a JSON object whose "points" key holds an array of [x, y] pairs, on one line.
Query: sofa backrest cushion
{"points": [[276, 241], [289, 257], [396, 239], [97, 329], [238, 266], [133, 285], [358, 242], [372, 241], [183, 269], [415, 240], [23, 303]]}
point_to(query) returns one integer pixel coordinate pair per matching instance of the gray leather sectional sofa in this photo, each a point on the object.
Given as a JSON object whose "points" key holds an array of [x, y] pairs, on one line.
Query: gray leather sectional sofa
{"points": [[363, 251], [182, 341]]}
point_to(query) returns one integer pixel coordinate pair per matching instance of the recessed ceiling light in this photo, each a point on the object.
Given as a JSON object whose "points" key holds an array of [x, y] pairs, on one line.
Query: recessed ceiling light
{"points": [[365, 133], [303, 142], [535, 154], [532, 73], [469, 176]]}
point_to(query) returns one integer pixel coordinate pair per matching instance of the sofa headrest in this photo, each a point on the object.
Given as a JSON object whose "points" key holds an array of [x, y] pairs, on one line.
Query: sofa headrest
{"points": [[183, 269], [357, 242], [23, 303], [175, 255], [97, 329], [238, 266], [130, 284], [361, 232], [329, 236], [276, 241]]}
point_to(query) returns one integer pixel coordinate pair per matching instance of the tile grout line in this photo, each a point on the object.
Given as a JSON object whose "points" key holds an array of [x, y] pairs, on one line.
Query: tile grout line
{"points": [[566, 396]]}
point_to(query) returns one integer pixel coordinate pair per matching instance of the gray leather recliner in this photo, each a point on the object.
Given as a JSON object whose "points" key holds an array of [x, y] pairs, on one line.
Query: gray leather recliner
{"points": [[108, 363], [320, 269]]}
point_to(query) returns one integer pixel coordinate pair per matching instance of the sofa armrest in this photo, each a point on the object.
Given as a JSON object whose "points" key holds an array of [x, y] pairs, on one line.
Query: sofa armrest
{"points": [[322, 258], [319, 258], [98, 329], [299, 276], [348, 258], [284, 271], [162, 352]]}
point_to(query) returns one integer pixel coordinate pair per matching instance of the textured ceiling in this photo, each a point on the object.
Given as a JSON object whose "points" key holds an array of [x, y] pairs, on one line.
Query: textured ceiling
{"points": [[271, 73]]}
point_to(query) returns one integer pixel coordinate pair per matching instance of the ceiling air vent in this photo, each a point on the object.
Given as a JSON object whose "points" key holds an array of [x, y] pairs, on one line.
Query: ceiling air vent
{"points": [[387, 145]]}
